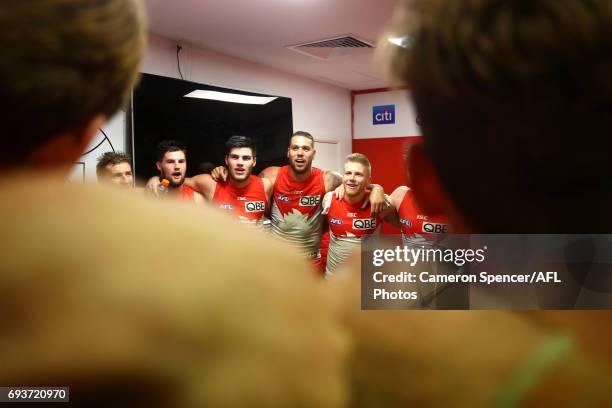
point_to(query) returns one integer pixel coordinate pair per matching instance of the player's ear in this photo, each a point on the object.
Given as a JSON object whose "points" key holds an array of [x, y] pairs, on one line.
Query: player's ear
{"points": [[158, 165], [254, 161], [226, 161]]}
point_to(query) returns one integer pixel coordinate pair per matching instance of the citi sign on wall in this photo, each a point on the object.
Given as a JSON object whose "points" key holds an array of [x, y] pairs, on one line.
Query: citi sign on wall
{"points": [[383, 114]]}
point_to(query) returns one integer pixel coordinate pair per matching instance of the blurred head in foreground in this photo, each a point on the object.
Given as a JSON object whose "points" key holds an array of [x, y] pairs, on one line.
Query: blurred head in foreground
{"points": [[514, 101], [89, 298], [515, 104], [66, 66]]}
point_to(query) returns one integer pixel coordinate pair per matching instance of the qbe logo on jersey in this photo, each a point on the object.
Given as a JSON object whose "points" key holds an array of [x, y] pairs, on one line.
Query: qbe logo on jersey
{"points": [[254, 206], [433, 228], [383, 114], [364, 223], [310, 201]]}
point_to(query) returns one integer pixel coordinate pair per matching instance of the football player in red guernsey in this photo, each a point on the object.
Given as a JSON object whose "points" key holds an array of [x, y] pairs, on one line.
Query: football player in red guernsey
{"points": [[349, 220], [245, 195], [296, 212], [417, 228], [172, 165]]}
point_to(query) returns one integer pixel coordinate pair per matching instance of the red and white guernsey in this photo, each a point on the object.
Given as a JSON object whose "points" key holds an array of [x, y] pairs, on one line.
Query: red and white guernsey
{"points": [[296, 214], [348, 225], [418, 228], [186, 193], [248, 203]]}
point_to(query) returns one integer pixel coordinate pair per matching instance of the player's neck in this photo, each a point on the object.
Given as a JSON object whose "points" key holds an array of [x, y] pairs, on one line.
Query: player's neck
{"points": [[357, 199], [240, 184], [301, 177], [174, 190]]}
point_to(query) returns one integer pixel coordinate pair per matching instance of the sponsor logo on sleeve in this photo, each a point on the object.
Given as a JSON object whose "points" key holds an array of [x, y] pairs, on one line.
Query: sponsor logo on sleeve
{"points": [[282, 197], [406, 222], [226, 207], [335, 221]]}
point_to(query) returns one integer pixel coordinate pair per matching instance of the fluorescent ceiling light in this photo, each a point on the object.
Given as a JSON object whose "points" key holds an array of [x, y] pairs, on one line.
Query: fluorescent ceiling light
{"points": [[230, 97], [403, 42]]}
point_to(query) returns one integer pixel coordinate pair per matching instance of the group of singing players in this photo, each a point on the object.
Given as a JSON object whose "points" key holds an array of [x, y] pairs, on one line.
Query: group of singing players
{"points": [[324, 213]]}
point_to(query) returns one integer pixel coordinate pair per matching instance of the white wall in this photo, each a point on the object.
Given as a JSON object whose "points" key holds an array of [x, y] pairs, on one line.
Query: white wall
{"points": [[321, 109]]}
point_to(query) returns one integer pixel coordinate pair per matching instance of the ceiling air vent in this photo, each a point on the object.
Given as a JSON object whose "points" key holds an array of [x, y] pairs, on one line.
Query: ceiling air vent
{"points": [[334, 47]]}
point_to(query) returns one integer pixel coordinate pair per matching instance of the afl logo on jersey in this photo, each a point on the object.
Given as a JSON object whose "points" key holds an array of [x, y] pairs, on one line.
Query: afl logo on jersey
{"points": [[310, 201], [406, 222], [282, 197], [433, 228], [226, 207], [335, 221], [254, 206], [364, 223]]}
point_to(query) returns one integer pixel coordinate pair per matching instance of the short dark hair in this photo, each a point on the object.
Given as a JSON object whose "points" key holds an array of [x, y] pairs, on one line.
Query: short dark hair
{"points": [[62, 64], [166, 146], [515, 104], [111, 158], [239, 141], [303, 134]]}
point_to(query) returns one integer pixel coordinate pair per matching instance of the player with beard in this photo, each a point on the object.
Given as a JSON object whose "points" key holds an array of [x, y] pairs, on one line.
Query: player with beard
{"points": [[296, 212], [244, 194], [172, 165], [350, 218]]}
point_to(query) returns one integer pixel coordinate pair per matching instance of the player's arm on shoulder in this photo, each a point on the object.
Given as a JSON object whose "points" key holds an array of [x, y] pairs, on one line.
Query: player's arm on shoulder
{"points": [[268, 188], [269, 173], [219, 174], [377, 198], [327, 200], [397, 196], [333, 179], [199, 198], [203, 184], [390, 214], [151, 186]]}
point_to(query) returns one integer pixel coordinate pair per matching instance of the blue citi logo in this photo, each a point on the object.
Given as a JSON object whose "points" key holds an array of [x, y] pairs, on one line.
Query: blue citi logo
{"points": [[383, 114]]}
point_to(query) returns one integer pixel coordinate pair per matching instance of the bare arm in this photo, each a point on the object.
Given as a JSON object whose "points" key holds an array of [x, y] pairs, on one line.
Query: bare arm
{"points": [[268, 188], [270, 173], [397, 196], [333, 179], [203, 184], [376, 199], [391, 215], [199, 198]]}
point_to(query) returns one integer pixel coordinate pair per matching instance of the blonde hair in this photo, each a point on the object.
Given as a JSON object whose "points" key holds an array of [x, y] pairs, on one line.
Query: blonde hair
{"points": [[361, 159], [64, 62]]}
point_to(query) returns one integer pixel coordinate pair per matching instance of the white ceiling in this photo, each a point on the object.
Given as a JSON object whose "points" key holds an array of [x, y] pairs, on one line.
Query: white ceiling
{"points": [[261, 30]]}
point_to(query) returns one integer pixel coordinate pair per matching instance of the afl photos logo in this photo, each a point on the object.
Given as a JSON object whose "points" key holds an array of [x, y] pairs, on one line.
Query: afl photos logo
{"points": [[254, 206]]}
